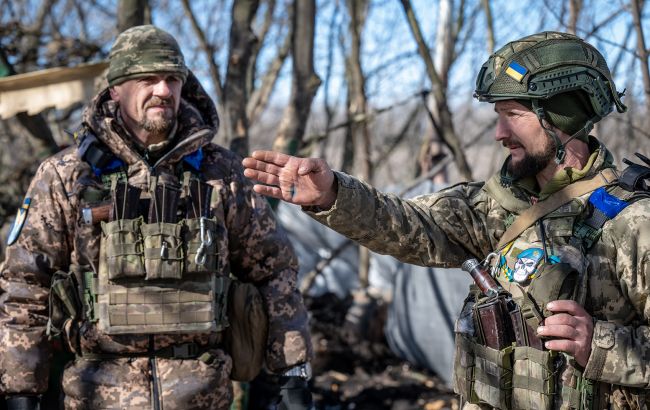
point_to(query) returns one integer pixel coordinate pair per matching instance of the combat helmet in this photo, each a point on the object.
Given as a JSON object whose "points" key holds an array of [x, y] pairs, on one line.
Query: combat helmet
{"points": [[541, 66]]}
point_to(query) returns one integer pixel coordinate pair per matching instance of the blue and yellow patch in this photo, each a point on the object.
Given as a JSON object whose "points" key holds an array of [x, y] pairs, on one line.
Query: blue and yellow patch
{"points": [[21, 217], [516, 71]]}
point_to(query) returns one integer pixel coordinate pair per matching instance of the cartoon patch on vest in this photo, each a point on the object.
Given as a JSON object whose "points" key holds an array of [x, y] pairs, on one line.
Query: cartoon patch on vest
{"points": [[527, 264]]}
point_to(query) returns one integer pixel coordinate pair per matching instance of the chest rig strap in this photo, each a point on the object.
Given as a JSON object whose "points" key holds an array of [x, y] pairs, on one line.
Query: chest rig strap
{"points": [[542, 208]]}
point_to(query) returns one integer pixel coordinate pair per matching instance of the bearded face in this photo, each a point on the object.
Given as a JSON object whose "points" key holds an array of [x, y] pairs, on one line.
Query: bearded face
{"points": [[149, 105]]}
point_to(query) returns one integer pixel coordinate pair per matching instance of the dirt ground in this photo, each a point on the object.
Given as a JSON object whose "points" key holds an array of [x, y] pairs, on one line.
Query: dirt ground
{"points": [[354, 368]]}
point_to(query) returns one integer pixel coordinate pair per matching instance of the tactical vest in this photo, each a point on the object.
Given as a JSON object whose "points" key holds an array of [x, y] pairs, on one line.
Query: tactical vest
{"points": [[158, 263], [548, 262]]}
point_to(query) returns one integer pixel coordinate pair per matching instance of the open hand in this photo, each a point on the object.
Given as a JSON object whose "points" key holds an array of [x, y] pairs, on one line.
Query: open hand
{"points": [[571, 329], [300, 181]]}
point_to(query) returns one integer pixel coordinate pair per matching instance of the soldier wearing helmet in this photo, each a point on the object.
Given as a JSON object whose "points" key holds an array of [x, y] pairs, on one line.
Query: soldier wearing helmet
{"points": [[564, 234], [146, 252]]}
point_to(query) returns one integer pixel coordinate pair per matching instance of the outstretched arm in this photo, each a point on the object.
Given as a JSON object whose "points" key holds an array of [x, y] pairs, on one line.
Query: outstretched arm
{"points": [[300, 181]]}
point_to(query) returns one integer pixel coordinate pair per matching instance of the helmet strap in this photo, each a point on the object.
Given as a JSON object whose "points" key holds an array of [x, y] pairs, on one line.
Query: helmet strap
{"points": [[560, 152]]}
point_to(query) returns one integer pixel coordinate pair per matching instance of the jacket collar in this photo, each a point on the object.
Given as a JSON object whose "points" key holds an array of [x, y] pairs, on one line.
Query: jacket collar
{"points": [[516, 195], [197, 123]]}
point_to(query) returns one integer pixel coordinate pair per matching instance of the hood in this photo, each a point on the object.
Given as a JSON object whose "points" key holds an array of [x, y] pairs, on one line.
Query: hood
{"points": [[197, 123]]}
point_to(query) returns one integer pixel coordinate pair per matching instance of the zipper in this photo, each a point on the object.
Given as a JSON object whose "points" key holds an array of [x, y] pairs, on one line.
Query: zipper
{"points": [[198, 135]]}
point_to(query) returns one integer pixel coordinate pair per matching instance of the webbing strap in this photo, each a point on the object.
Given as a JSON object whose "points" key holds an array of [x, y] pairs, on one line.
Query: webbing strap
{"points": [[542, 208], [180, 351], [571, 397], [536, 384], [519, 381]]}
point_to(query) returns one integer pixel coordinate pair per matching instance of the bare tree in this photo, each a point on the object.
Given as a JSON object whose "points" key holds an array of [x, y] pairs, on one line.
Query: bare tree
{"points": [[209, 51], [642, 51], [259, 97], [575, 7], [444, 126], [358, 131], [132, 13], [489, 25], [242, 43], [305, 82]]}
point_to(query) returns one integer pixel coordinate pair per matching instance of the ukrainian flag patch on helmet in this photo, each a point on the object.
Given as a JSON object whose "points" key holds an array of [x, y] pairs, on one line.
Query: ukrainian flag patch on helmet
{"points": [[21, 217], [516, 71]]}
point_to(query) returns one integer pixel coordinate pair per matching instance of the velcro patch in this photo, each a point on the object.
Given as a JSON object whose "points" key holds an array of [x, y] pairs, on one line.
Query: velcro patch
{"points": [[21, 217], [516, 71]]}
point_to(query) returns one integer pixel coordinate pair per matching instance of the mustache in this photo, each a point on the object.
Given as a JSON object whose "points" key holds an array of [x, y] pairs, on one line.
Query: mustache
{"points": [[510, 141], [160, 102]]}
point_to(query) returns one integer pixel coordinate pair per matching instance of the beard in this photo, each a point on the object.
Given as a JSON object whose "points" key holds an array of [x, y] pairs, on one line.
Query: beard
{"points": [[532, 163], [161, 124]]}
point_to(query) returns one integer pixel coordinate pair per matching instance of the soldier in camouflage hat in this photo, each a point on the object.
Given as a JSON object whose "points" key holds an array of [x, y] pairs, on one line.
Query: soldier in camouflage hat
{"points": [[137, 249], [565, 235]]}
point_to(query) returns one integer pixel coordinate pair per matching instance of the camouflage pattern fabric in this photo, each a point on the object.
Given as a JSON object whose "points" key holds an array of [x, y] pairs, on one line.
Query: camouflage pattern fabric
{"points": [[467, 220], [250, 243], [142, 50]]}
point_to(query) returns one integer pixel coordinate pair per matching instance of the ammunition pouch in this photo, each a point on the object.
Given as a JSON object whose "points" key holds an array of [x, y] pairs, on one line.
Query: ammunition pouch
{"points": [[200, 245], [158, 277], [503, 363], [122, 243], [64, 302], [163, 252]]}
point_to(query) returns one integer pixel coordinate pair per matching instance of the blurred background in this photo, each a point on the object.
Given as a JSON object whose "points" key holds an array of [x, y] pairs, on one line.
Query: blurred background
{"points": [[381, 89]]}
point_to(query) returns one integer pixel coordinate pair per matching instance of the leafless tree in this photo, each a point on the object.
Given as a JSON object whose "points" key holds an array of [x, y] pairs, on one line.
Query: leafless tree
{"points": [[132, 13], [358, 132], [304, 83], [487, 9], [575, 7], [444, 125], [642, 51]]}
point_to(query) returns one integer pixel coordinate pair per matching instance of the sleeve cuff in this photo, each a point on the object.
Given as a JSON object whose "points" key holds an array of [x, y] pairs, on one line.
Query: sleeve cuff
{"points": [[603, 341]]}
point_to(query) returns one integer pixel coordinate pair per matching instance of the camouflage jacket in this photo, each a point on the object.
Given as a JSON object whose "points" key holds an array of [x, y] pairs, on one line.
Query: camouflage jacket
{"points": [[251, 245], [467, 220]]}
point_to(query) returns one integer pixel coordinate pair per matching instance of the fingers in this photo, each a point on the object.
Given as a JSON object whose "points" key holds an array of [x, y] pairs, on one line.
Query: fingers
{"points": [[266, 190], [262, 177], [250, 163], [561, 319], [563, 345], [570, 329], [569, 306], [272, 157], [559, 331]]}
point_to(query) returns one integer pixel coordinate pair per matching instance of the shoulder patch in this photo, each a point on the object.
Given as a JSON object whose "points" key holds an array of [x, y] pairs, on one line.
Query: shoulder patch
{"points": [[21, 217]]}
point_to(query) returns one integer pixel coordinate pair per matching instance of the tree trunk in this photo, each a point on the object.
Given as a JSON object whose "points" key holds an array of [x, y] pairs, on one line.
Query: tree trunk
{"points": [[304, 83], [642, 51], [131, 13], [445, 126], [242, 41], [489, 22], [359, 131], [575, 7], [208, 49]]}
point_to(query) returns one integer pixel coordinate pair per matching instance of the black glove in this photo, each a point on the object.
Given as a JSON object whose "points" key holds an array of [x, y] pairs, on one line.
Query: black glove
{"points": [[295, 394], [23, 403]]}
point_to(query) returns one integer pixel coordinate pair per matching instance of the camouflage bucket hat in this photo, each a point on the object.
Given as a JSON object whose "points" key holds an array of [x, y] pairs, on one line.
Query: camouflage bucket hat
{"points": [[143, 50], [543, 65]]}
